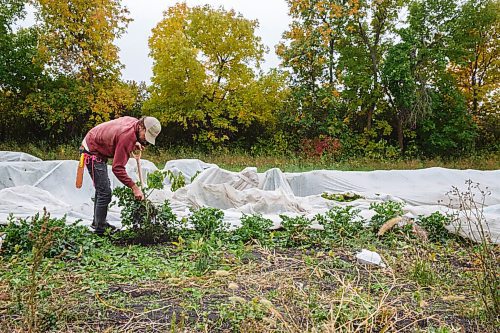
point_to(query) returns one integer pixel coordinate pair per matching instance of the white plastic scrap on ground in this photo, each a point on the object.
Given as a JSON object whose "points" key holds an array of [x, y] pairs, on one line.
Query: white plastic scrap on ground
{"points": [[27, 185], [367, 257]]}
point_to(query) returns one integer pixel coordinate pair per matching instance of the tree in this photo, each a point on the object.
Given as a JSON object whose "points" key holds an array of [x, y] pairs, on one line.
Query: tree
{"points": [[78, 36], [422, 91], [310, 52], [76, 46], [370, 22], [476, 64], [334, 49], [203, 74], [20, 67]]}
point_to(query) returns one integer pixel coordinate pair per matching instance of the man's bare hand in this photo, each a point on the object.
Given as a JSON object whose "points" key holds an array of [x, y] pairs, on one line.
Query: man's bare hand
{"points": [[138, 193], [138, 146]]}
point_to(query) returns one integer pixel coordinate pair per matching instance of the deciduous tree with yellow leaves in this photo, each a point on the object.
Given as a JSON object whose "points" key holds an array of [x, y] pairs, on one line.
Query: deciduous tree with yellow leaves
{"points": [[205, 74]]}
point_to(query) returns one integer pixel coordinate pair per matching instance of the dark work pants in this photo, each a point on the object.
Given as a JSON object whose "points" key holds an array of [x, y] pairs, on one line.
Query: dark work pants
{"points": [[98, 170]]}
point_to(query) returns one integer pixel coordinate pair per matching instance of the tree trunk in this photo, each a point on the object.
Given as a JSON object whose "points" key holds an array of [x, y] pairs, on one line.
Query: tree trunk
{"points": [[369, 116], [330, 64], [399, 128]]}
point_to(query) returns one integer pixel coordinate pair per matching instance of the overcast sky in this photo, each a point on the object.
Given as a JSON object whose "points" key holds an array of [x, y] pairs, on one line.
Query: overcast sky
{"points": [[272, 16]]}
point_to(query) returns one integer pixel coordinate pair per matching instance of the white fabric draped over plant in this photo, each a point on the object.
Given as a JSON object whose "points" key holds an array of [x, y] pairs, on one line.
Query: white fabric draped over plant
{"points": [[27, 185]]}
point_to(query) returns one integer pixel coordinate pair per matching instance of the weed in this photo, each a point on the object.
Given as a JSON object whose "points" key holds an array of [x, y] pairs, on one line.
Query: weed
{"points": [[209, 221], [345, 197], [42, 239], [422, 273], [341, 223], [471, 215], [296, 231], [385, 211], [435, 225], [253, 227], [69, 240], [240, 311], [205, 253], [148, 223], [176, 181]]}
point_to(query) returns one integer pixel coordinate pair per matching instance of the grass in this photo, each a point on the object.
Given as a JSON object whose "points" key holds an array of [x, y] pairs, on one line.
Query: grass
{"points": [[238, 160], [115, 288]]}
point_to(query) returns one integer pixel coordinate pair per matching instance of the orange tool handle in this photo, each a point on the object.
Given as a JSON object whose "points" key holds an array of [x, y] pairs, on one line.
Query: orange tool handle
{"points": [[79, 171]]}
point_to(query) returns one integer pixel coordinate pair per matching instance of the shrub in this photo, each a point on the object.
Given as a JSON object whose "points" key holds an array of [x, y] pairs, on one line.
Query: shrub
{"points": [[471, 203]]}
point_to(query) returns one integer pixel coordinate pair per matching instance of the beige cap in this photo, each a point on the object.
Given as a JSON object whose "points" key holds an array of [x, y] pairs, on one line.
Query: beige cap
{"points": [[153, 128]]}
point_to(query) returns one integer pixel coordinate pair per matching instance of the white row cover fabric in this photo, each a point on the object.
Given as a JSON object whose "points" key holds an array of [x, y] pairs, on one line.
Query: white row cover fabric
{"points": [[27, 187], [11, 156]]}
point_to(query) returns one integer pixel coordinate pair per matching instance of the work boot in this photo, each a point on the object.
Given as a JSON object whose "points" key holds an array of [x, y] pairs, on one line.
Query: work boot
{"points": [[102, 228], [100, 225]]}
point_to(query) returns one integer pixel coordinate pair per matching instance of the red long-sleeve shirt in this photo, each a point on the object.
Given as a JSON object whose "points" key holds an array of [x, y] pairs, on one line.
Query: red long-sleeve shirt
{"points": [[116, 139]]}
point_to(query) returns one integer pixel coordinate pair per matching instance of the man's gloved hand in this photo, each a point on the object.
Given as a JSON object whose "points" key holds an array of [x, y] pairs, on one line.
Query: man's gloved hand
{"points": [[137, 193]]}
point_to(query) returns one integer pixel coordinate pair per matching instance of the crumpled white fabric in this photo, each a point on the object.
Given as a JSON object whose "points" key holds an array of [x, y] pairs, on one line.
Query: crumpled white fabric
{"points": [[27, 187]]}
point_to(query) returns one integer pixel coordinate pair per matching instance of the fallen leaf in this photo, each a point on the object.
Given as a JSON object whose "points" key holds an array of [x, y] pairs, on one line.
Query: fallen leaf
{"points": [[233, 286], [222, 273], [237, 299], [4, 296], [453, 298]]}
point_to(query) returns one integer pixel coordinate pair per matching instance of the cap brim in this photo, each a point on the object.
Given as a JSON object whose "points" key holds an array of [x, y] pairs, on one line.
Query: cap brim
{"points": [[150, 138]]}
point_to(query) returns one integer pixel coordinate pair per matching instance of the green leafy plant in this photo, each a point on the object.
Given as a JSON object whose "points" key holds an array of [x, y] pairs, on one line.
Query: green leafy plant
{"points": [[340, 223], [435, 225], [384, 211], [205, 253], [295, 231], [146, 222], [423, 273], [253, 227], [208, 221], [35, 244], [341, 197], [241, 310], [69, 240], [194, 176], [176, 181]]}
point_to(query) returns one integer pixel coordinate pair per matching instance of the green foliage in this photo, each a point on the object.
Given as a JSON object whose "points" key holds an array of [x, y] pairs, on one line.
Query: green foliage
{"points": [[203, 78], [176, 181], [68, 240], [253, 227], [423, 273], [341, 197], [241, 310], [296, 231], [147, 222], [209, 222], [206, 252], [77, 36], [384, 211], [435, 225], [341, 223]]}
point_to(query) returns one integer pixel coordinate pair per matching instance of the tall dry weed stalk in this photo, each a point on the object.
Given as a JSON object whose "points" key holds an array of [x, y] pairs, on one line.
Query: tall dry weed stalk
{"points": [[469, 216]]}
